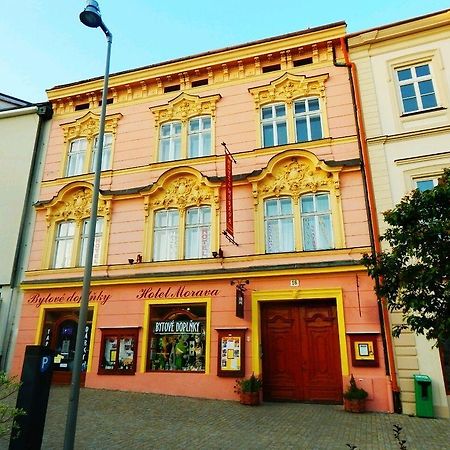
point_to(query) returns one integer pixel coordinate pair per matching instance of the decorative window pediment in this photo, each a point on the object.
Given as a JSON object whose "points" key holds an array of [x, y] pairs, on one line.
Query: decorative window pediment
{"points": [[185, 106], [289, 87], [294, 173], [74, 202], [181, 188], [88, 126]]}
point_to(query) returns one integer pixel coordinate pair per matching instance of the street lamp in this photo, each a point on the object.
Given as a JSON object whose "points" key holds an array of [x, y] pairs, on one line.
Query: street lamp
{"points": [[91, 18]]}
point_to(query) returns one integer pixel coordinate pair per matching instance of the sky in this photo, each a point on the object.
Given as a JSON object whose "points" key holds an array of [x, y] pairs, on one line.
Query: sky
{"points": [[44, 44]]}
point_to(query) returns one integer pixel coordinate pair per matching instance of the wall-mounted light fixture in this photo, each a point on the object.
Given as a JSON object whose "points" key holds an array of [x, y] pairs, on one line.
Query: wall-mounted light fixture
{"points": [[218, 254], [240, 290]]}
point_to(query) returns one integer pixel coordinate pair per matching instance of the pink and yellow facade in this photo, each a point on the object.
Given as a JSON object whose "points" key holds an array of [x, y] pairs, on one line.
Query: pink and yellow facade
{"points": [[176, 307]]}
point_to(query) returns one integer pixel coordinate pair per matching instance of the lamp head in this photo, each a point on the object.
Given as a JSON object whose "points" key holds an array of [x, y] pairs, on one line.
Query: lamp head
{"points": [[91, 15]]}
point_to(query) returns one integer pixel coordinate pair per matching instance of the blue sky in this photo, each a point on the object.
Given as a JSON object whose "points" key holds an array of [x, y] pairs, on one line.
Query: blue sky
{"points": [[44, 44]]}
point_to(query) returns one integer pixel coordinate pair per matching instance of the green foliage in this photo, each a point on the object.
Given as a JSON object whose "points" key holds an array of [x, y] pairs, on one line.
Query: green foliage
{"points": [[353, 392], [251, 384], [413, 276], [8, 387]]}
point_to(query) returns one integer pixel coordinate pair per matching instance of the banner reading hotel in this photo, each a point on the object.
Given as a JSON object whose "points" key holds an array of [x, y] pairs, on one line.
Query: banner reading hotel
{"points": [[229, 192]]}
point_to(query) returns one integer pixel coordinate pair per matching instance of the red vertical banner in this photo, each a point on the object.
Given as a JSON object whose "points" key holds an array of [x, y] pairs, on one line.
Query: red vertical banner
{"points": [[229, 193]]}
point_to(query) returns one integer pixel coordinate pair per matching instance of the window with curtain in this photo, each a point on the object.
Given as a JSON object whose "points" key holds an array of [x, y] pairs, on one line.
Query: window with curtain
{"points": [[165, 235], [199, 137], [274, 125], [316, 221], [279, 225], [65, 234], [97, 242], [308, 122], [170, 141], [106, 155], [76, 157], [198, 232]]}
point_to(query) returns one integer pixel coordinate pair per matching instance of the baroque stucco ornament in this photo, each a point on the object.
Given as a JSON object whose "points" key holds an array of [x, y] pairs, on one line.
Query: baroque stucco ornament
{"points": [[181, 192], [76, 205], [288, 88], [88, 126], [184, 107], [295, 177]]}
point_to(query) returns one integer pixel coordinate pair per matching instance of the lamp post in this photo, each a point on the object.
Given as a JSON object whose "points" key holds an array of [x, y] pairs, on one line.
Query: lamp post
{"points": [[91, 18]]}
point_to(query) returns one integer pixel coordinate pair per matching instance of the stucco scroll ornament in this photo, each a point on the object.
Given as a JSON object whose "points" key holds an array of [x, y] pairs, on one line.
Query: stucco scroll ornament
{"points": [[183, 192]]}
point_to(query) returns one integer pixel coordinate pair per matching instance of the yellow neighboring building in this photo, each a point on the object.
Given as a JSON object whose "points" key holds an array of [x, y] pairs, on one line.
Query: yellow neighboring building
{"points": [[404, 78]]}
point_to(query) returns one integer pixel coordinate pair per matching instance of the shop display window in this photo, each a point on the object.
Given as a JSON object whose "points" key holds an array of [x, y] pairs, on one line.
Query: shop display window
{"points": [[177, 339], [118, 351]]}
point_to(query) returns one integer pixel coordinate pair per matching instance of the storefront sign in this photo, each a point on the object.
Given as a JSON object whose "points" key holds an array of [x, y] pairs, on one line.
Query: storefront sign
{"points": [[177, 327], [172, 292], [74, 297]]}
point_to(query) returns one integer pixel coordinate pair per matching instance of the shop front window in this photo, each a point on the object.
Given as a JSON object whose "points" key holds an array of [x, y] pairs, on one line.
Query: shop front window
{"points": [[177, 338], [118, 351]]}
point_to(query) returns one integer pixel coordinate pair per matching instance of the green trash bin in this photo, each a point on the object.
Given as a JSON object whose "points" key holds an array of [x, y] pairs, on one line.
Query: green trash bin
{"points": [[424, 396]]}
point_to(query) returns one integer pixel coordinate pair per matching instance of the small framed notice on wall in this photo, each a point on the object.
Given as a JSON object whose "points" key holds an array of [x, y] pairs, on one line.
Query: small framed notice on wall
{"points": [[231, 352], [364, 350]]}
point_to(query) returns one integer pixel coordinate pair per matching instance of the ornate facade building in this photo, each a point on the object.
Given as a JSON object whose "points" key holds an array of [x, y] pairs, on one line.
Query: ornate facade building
{"points": [[202, 276]]}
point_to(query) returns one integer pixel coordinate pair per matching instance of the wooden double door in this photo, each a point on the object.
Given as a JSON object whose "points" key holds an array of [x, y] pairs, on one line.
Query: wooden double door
{"points": [[300, 351]]}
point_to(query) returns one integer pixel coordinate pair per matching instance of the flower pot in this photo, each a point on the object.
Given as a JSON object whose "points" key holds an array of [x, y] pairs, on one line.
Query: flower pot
{"points": [[355, 405], [249, 398]]}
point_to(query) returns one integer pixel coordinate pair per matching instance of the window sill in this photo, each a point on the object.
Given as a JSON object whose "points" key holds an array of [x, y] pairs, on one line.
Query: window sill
{"points": [[423, 111]]}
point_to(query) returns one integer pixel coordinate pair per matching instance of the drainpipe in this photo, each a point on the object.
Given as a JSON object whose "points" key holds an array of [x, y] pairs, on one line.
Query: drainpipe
{"points": [[374, 231]]}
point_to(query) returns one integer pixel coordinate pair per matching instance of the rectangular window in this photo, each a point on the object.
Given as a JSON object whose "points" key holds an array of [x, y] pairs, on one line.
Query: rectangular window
{"points": [[177, 339], [170, 141], [426, 184], [274, 125], [118, 351], [96, 259], [76, 156], [64, 244], [198, 233], [165, 235], [199, 136], [416, 88], [106, 154], [308, 122], [279, 225], [316, 222]]}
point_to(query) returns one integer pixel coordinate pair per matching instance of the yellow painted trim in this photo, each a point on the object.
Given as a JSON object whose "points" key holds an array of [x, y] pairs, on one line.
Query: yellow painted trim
{"points": [[297, 294], [196, 62], [40, 326], [174, 301], [198, 277]]}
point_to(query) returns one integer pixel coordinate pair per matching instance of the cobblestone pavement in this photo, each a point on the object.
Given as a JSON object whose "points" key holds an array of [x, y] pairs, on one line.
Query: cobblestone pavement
{"points": [[128, 421]]}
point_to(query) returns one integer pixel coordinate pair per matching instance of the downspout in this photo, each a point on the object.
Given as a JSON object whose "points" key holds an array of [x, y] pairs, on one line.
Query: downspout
{"points": [[374, 231]]}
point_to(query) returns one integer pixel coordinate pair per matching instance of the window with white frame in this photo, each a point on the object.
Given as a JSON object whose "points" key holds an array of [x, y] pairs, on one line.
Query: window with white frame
{"points": [[416, 88], [81, 155], [425, 184], [282, 223], [165, 235], [316, 221], [71, 242], [279, 225], [199, 137], [191, 139], [182, 236], [274, 125], [198, 233], [76, 157], [170, 141], [308, 122], [106, 154]]}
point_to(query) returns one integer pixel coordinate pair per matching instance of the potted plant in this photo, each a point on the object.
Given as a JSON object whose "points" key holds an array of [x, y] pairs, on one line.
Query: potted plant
{"points": [[355, 397], [249, 390]]}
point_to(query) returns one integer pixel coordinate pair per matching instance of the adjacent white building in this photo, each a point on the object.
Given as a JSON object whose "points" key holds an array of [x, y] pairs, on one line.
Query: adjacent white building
{"points": [[404, 79]]}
